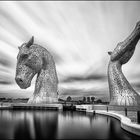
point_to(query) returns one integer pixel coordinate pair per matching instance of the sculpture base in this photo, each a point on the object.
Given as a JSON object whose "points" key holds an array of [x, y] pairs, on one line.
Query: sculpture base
{"points": [[37, 106], [42, 100]]}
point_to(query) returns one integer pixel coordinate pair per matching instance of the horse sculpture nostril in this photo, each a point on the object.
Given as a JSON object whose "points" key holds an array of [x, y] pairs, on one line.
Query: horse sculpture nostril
{"points": [[19, 80]]}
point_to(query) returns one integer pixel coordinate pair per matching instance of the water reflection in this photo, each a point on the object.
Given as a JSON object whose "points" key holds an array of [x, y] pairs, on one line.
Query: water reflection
{"points": [[59, 125], [28, 124], [37, 125]]}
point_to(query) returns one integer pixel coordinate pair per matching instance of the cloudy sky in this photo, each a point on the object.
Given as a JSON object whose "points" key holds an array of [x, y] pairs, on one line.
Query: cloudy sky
{"points": [[77, 33]]}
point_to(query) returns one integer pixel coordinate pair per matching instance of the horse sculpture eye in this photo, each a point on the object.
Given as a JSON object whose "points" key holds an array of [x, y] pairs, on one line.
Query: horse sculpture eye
{"points": [[24, 56]]}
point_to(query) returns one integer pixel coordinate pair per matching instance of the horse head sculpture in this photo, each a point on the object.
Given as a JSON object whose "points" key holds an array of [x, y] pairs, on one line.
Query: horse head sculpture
{"points": [[121, 92], [33, 59]]}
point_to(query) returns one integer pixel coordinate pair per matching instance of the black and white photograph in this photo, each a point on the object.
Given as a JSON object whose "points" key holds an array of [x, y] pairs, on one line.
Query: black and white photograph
{"points": [[70, 70]]}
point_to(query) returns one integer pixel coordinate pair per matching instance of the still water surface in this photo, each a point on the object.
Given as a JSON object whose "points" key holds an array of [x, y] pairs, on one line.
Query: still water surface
{"points": [[59, 125]]}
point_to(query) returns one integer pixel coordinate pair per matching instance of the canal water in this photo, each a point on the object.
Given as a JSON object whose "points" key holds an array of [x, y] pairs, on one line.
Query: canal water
{"points": [[59, 125]]}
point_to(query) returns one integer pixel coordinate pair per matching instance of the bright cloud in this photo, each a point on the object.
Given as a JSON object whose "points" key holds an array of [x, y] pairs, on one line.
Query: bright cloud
{"points": [[77, 33]]}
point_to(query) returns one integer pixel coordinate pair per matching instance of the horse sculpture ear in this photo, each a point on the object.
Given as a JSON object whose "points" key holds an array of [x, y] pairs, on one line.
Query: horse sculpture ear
{"points": [[30, 42]]}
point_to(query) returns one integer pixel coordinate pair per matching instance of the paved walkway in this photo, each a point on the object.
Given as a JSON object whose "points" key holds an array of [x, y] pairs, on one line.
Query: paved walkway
{"points": [[126, 123]]}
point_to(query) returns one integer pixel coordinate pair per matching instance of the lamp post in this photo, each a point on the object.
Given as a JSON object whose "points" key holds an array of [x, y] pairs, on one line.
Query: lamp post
{"points": [[125, 107]]}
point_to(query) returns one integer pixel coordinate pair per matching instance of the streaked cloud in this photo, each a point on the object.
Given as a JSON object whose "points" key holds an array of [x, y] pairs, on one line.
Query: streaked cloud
{"points": [[77, 33], [85, 78]]}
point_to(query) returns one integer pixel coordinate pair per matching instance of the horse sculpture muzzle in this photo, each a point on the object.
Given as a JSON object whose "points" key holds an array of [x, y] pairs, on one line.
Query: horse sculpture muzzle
{"points": [[24, 76]]}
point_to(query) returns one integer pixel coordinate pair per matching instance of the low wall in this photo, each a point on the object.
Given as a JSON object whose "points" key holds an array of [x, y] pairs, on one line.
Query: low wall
{"points": [[35, 106], [126, 123], [31, 106]]}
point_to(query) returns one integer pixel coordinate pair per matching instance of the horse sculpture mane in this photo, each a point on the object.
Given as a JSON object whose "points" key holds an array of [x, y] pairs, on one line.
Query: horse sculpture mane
{"points": [[121, 92], [34, 59]]}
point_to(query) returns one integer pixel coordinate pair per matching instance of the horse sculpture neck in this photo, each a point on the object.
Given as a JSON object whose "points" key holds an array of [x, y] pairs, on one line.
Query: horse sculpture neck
{"points": [[121, 92], [46, 82]]}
